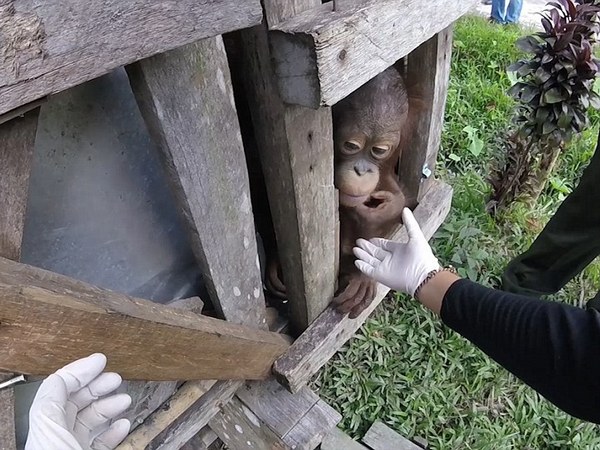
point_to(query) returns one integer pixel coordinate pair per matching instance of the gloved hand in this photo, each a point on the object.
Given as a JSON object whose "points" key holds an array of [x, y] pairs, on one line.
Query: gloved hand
{"points": [[401, 267], [68, 414]]}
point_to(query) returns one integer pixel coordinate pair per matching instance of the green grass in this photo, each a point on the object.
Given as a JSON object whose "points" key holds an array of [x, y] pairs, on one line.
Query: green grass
{"points": [[407, 369]]}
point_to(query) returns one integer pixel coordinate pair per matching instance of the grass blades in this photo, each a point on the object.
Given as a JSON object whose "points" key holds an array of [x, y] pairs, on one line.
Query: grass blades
{"points": [[407, 369]]}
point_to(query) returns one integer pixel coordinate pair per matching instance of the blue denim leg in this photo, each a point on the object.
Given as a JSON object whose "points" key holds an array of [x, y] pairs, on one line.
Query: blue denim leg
{"points": [[514, 11], [498, 9]]}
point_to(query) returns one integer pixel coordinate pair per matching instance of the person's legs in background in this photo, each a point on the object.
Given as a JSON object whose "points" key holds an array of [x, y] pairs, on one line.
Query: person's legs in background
{"points": [[498, 11], [514, 11]]}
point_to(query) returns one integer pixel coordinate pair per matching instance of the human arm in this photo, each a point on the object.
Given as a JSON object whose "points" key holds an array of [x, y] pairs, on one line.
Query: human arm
{"points": [[69, 413], [553, 347]]}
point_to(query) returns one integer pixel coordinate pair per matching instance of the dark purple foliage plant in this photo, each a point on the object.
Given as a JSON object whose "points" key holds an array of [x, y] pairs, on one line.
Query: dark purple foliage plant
{"points": [[554, 90]]}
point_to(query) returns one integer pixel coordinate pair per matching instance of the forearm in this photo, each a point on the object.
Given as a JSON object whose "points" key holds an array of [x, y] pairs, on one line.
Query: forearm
{"points": [[551, 346], [432, 294]]}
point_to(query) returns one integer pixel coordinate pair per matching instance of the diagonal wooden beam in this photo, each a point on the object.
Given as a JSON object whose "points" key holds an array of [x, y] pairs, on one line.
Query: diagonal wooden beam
{"points": [[17, 140], [331, 330], [264, 415], [189, 410], [48, 320], [186, 98], [184, 415]]}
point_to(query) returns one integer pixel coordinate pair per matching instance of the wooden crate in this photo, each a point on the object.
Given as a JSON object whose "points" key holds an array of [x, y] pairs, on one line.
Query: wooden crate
{"points": [[304, 57]]}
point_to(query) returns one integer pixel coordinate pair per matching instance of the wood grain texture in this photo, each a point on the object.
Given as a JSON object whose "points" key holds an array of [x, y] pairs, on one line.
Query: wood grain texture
{"points": [[296, 151], [21, 110], [382, 437], [184, 425], [17, 140], [52, 45], [7, 416], [142, 340], [428, 74], [277, 11], [275, 406], [313, 427], [265, 416], [331, 330], [239, 429], [194, 418], [321, 56], [185, 397], [336, 439], [148, 396], [202, 441], [186, 99]]}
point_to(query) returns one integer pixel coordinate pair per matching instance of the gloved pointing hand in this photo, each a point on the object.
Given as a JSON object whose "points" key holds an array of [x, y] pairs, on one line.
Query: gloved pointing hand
{"points": [[402, 267], [68, 412]]}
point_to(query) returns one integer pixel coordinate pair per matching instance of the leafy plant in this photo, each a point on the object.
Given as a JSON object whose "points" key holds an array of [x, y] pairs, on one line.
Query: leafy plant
{"points": [[475, 143], [404, 367], [554, 88]]}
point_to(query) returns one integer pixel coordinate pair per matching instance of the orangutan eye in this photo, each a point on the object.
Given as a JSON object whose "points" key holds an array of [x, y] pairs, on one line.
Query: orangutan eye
{"points": [[380, 151], [351, 146]]}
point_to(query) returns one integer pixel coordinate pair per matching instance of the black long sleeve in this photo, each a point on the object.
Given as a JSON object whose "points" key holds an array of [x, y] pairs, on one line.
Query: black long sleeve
{"points": [[553, 347]]}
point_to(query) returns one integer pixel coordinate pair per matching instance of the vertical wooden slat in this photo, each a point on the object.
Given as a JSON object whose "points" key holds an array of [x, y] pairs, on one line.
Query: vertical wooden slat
{"points": [[17, 139], [331, 330], [296, 150], [428, 73], [186, 99]]}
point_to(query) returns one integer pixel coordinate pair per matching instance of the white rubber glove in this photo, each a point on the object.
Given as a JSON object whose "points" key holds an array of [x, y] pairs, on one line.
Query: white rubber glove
{"points": [[401, 267], [68, 414]]}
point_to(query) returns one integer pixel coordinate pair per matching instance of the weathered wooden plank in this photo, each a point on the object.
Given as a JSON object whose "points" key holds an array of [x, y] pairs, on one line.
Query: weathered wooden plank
{"points": [[421, 442], [186, 98], [275, 406], [312, 427], [277, 11], [241, 426], [336, 439], [331, 330], [143, 340], [428, 74], [382, 437], [238, 427], [148, 396], [7, 416], [183, 426], [178, 404], [195, 418], [296, 152], [17, 139], [202, 441], [51, 45], [21, 110], [321, 56]]}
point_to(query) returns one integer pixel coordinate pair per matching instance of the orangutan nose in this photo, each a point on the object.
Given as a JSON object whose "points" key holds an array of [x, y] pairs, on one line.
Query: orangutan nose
{"points": [[361, 168]]}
